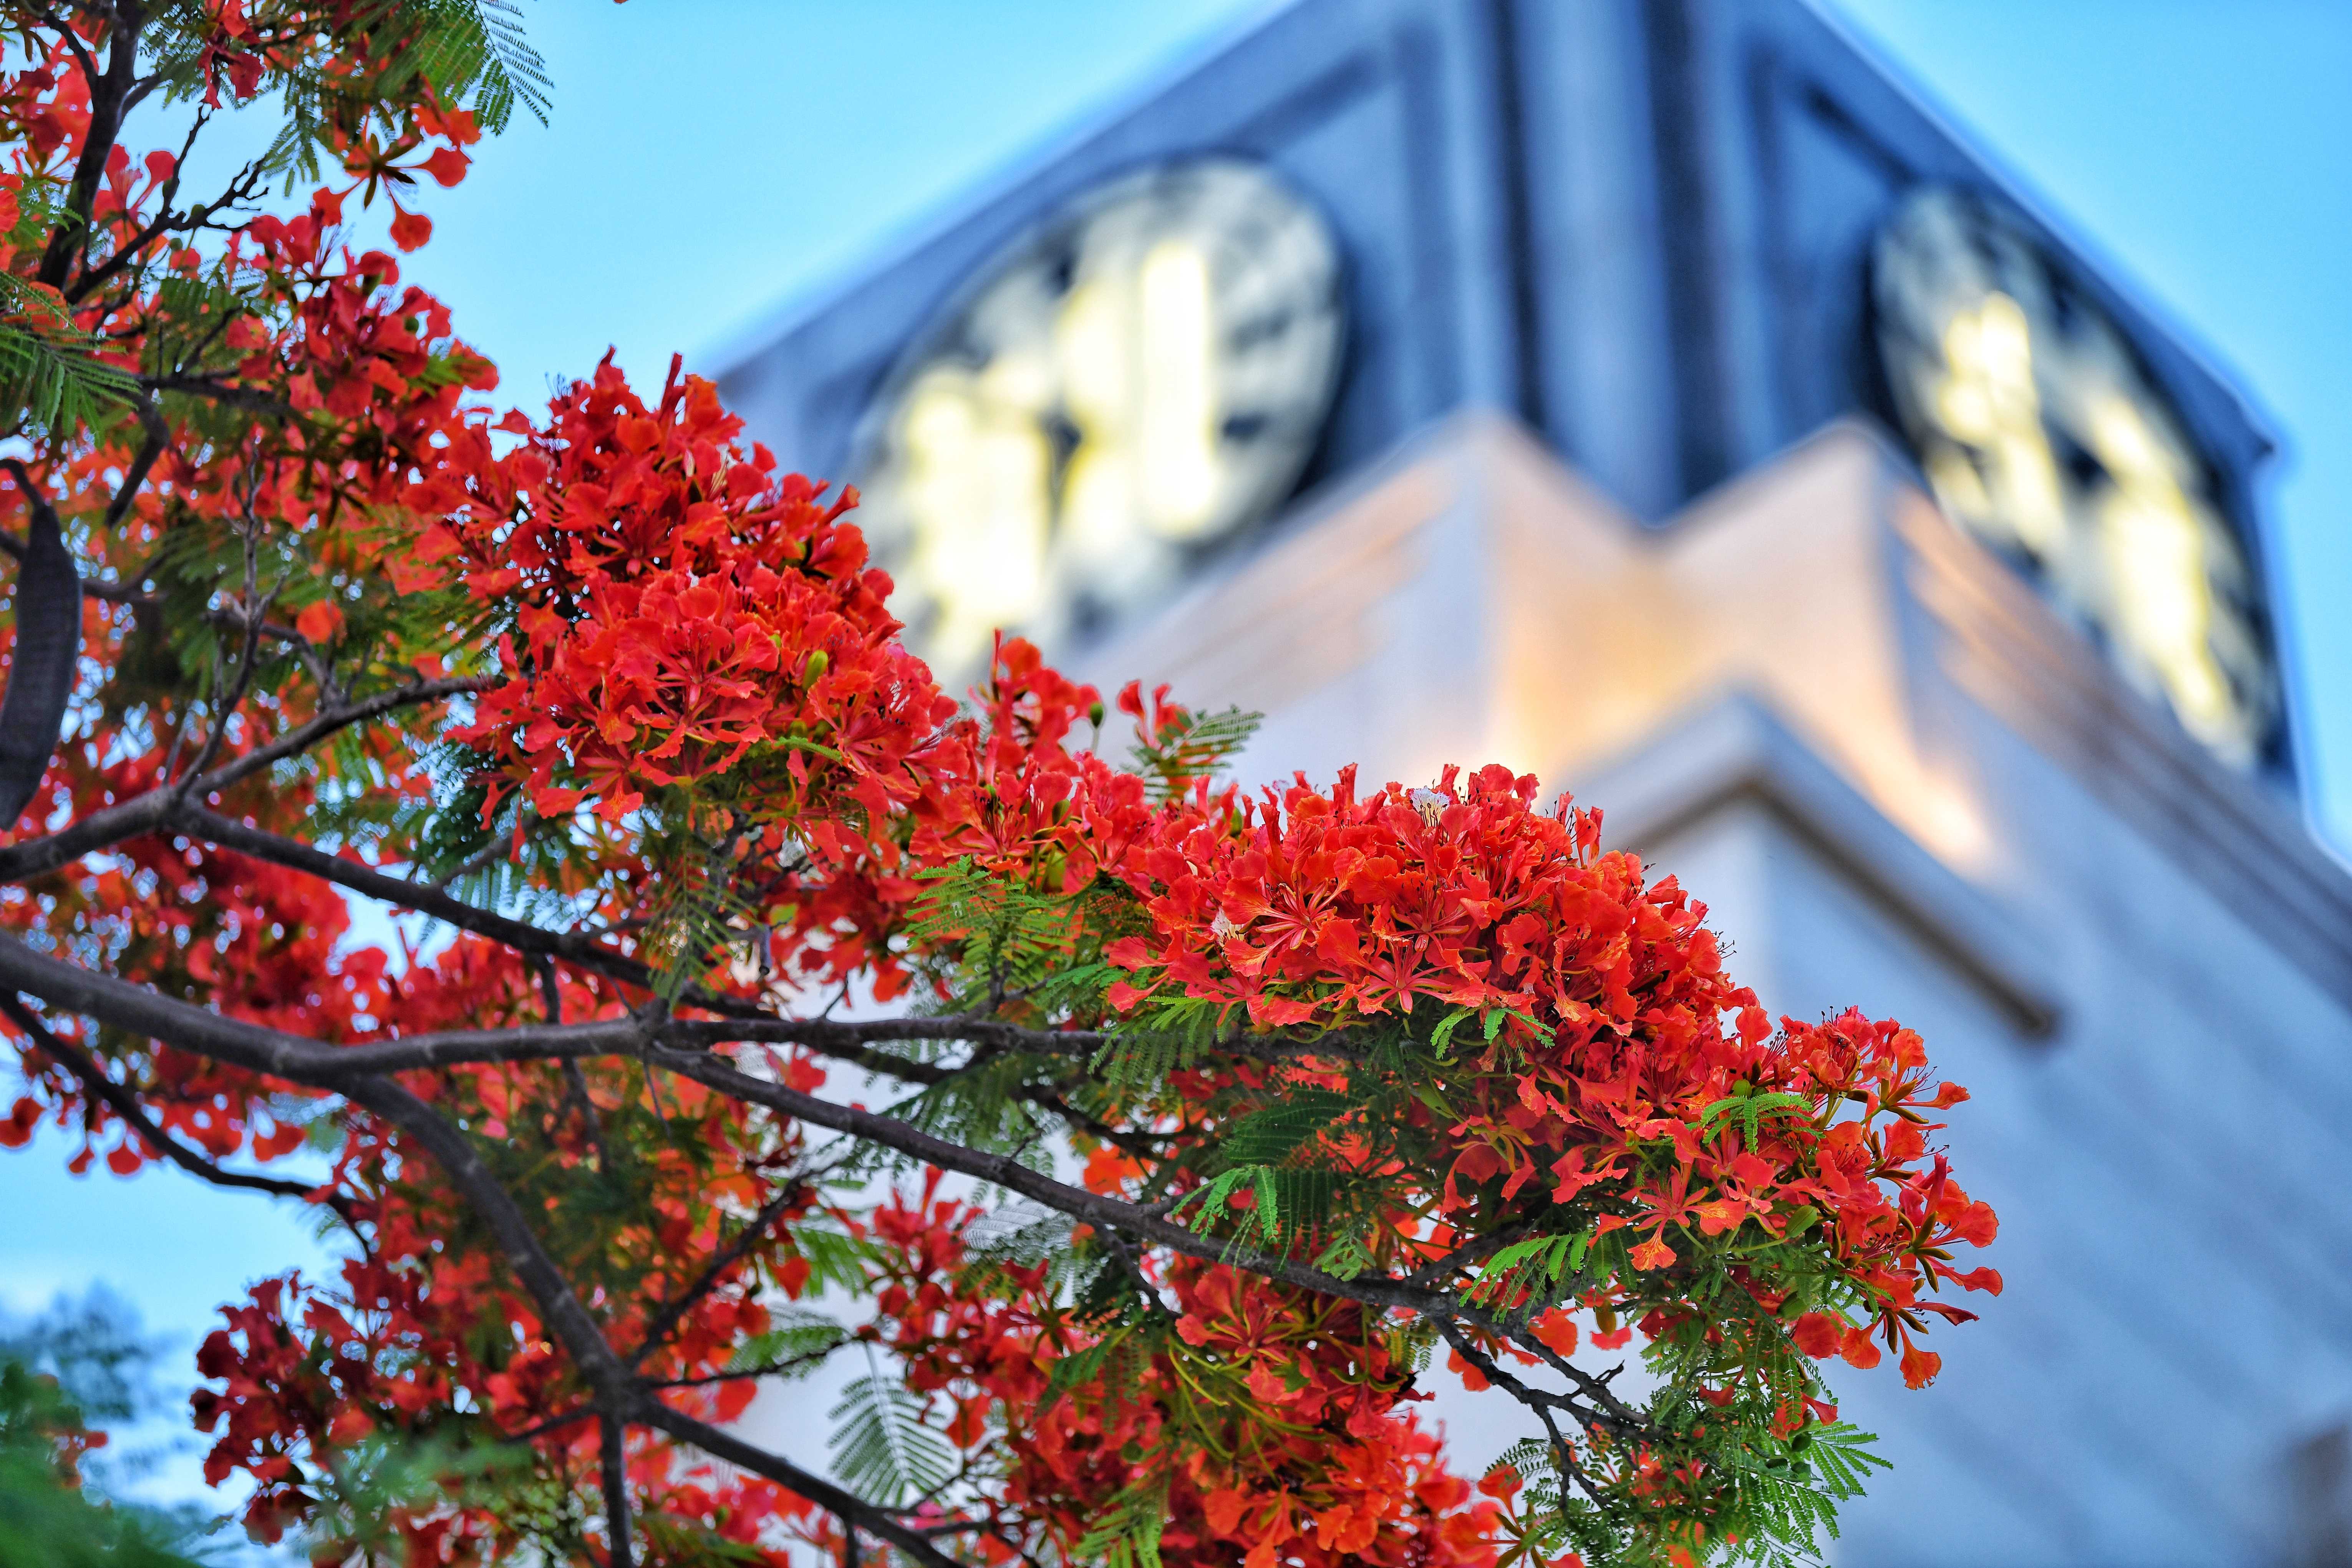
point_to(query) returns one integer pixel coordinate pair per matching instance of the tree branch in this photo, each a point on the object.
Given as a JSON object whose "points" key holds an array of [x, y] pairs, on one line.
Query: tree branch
{"points": [[157, 435], [401, 893], [854, 1512], [137, 1009], [1563, 1454], [145, 812], [251, 399], [127, 251], [583, 1337], [584, 1340], [612, 1451], [767, 1369], [1003, 1172], [125, 1104], [109, 89]]}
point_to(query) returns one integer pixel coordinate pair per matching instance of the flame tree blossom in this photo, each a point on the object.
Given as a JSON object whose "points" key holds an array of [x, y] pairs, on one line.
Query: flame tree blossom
{"points": [[1256, 1105]]}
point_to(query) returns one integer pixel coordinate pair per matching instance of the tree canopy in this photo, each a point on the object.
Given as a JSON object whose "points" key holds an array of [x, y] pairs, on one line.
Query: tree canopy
{"points": [[1143, 1139]]}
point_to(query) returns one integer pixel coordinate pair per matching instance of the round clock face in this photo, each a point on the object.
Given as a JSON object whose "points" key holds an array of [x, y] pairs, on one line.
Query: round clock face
{"points": [[1143, 373], [2039, 432]]}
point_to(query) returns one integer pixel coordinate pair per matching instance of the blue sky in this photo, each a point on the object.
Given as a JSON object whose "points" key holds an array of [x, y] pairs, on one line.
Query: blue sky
{"points": [[708, 162]]}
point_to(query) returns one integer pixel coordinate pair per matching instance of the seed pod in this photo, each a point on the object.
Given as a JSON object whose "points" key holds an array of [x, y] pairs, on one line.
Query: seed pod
{"points": [[41, 674]]}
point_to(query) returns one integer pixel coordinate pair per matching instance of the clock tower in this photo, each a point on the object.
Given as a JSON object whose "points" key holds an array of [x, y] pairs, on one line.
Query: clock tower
{"points": [[1657, 395]]}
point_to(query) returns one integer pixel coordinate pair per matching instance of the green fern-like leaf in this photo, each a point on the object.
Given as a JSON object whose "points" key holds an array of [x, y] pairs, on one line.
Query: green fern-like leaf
{"points": [[796, 1343], [1274, 1133], [980, 1106], [1127, 1533], [698, 913], [1008, 938], [883, 1447], [1346, 1257], [1288, 1205], [1194, 747], [1748, 1111], [49, 372], [1168, 1038], [836, 1260], [1528, 1270], [477, 46]]}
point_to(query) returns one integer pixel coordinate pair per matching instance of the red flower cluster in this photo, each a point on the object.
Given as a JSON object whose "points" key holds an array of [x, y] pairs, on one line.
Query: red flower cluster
{"points": [[1435, 1035], [1607, 1057], [1289, 1412], [682, 613]]}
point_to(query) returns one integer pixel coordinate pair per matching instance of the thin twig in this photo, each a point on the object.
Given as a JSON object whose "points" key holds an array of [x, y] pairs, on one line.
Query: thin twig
{"points": [[254, 613], [658, 1332], [124, 1103], [766, 1369], [471, 863], [145, 812]]}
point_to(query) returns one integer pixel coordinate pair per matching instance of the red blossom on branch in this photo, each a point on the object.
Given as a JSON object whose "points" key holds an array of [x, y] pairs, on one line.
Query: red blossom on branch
{"points": [[617, 700]]}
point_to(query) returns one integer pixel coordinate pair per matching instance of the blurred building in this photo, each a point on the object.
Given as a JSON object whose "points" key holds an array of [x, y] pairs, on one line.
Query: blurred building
{"points": [[1656, 395]]}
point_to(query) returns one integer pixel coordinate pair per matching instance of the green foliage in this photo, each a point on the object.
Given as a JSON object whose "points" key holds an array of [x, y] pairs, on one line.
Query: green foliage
{"points": [[698, 911], [1193, 747], [365, 1489], [1747, 1109], [980, 1107], [472, 52], [1010, 941], [1528, 1271], [1271, 1133], [1347, 1257], [883, 1446], [74, 1366], [796, 1343], [1169, 1037], [1127, 1534], [1549, 1524], [46, 1520], [1786, 1497], [836, 1260], [1117, 1360], [1490, 1022], [50, 376], [1020, 1235], [1288, 1205], [517, 863], [1768, 1501], [477, 48], [185, 331], [1773, 1505]]}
